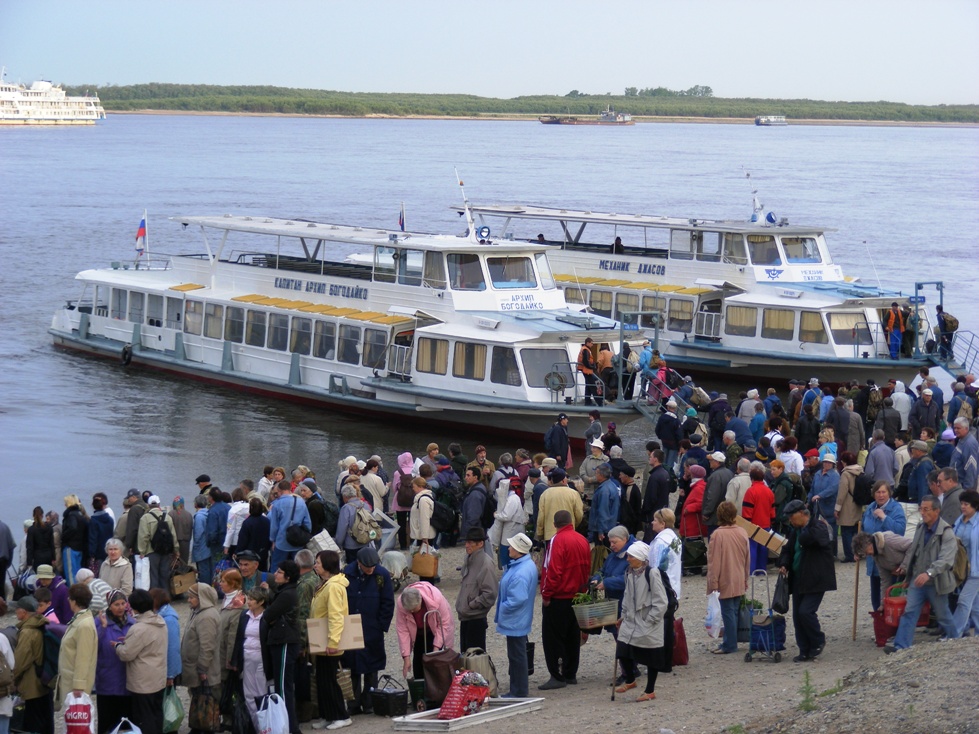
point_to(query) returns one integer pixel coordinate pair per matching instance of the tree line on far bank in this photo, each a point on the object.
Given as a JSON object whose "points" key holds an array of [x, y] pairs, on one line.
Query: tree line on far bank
{"points": [[639, 103]]}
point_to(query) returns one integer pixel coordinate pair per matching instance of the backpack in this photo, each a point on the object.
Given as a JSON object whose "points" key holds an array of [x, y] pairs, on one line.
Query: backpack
{"points": [[47, 670], [951, 323], [965, 410], [489, 509], [6, 677], [627, 513], [798, 489], [863, 489], [904, 481], [443, 517], [960, 568], [672, 602], [365, 528], [874, 403], [406, 493], [162, 540]]}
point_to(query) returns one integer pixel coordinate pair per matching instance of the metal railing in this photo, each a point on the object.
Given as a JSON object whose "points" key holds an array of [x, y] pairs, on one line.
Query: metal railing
{"points": [[399, 360], [964, 356]]}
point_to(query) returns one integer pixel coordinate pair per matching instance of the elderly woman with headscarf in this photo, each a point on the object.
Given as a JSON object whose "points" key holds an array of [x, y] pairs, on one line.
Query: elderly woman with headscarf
{"points": [[612, 576], [199, 646], [113, 700], [643, 635], [99, 588]]}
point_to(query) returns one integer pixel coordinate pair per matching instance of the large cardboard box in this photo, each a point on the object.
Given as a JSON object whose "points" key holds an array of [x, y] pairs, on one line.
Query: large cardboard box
{"points": [[351, 638], [768, 538], [181, 583]]}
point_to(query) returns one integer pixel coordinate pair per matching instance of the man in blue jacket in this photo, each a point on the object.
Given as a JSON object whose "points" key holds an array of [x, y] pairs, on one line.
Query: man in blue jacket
{"points": [[515, 611], [286, 511], [604, 506], [217, 523]]}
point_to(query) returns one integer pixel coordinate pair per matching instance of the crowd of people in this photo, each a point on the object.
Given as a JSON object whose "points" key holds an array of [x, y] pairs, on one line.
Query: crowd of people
{"points": [[97, 587]]}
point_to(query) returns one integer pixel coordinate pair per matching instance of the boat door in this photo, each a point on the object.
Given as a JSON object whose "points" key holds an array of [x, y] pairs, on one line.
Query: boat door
{"points": [[707, 324], [400, 353]]}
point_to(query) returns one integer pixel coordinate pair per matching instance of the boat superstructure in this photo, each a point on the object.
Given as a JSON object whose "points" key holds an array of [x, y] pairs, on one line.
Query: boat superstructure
{"points": [[43, 103], [771, 120], [722, 296], [608, 116], [448, 329]]}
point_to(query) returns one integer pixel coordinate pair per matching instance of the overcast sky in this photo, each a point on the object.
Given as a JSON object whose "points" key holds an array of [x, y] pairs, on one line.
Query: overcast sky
{"points": [[899, 50]]}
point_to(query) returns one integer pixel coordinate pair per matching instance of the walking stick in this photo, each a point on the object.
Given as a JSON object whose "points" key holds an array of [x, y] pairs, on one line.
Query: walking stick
{"points": [[856, 590], [615, 673]]}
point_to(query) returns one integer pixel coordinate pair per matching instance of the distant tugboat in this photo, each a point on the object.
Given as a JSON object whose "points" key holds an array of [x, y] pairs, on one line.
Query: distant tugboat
{"points": [[770, 120], [607, 117]]}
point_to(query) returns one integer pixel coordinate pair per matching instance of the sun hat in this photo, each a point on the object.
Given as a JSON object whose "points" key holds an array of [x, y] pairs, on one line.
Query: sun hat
{"points": [[521, 543]]}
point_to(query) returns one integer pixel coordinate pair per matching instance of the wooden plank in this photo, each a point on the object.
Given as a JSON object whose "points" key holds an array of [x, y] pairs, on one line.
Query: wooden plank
{"points": [[493, 709]]}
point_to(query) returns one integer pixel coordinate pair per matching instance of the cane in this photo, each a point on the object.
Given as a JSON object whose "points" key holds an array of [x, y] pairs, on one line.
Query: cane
{"points": [[615, 673]]}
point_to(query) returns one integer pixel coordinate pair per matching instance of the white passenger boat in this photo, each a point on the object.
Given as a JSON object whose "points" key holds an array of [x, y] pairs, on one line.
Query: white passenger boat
{"points": [[45, 104], [771, 120], [759, 298], [444, 329]]}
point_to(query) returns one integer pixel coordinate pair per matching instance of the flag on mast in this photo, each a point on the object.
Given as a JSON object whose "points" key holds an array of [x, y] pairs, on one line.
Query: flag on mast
{"points": [[401, 217], [141, 236]]}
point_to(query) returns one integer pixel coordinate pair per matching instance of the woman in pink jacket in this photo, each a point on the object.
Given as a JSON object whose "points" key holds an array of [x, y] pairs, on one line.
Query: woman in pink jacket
{"points": [[409, 617], [405, 468]]}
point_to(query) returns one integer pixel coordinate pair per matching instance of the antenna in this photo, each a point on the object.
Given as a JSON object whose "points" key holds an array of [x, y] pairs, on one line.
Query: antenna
{"points": [[756, 205], [469, 215], [872, 264]]}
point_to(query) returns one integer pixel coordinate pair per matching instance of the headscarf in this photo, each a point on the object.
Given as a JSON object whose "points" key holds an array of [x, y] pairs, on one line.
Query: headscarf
{"points": [[178, 502], [110, 598]]}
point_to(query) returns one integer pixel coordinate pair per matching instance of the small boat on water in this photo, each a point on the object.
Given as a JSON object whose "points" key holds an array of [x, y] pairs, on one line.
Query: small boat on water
{"points": [[608, 116], [459, 331], [45, 104], [770, 120]]}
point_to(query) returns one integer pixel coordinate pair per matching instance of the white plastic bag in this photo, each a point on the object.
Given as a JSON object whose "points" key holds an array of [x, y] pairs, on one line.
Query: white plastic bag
{"points": [[272, 715], [79, 714], [142, 573], [713, 621], [125, 726]]}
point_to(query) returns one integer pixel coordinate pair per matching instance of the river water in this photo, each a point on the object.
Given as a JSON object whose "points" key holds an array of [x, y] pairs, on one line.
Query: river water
{"points": [[904, 202]]}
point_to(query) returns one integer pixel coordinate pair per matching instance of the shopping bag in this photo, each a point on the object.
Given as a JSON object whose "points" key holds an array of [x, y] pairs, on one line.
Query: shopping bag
{"points": [[241, 719], [425, 563], [680, 654], [780, 599], [205, 714], [478, 660], [173, 711], [125, 726], [598, 555], [346, 684], [142, 573], [439, 667], [273, 718], [744, 620], [79, 714], [713, 620]]}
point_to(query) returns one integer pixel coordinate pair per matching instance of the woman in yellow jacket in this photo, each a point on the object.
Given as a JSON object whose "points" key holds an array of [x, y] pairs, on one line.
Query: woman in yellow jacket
{"points": [[330, 603], [79, 647]]}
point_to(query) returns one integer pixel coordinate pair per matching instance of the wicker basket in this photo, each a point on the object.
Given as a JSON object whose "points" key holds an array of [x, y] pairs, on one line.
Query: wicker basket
{"points": [[596, 614]]}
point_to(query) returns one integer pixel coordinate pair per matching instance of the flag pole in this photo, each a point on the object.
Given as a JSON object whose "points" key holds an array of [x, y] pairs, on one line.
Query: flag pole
{"points": [[146, 241]]}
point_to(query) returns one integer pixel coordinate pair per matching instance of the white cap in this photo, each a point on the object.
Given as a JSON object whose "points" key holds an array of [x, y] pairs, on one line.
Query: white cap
{"points": [[153, 500], [718, 456]]}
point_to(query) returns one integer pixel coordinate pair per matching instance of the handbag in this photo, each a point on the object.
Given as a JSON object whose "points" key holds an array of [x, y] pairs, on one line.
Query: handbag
{"points": [[297, 535], [681, 656], [780, 599], [273, 717], [439, 666], [228, 689], [425, 564], [79, 714], [173, 711], [346, 684], [744, 620], [205, 713], [241, 719], [478, 660]]}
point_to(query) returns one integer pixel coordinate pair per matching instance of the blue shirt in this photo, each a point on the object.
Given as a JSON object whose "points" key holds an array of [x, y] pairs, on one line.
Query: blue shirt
{"points": [[967, 531], [827, 486], [284, 513], [174, 661], [200, 551], [604, 508], [515, 603]]}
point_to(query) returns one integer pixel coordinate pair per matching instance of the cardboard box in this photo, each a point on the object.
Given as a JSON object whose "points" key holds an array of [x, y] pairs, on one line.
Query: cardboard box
{"points": [[181, 583], [768, 538], [351, 638]]}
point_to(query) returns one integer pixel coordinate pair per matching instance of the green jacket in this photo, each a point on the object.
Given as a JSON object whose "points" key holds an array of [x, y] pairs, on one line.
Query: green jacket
{"points": [[28, 655]]}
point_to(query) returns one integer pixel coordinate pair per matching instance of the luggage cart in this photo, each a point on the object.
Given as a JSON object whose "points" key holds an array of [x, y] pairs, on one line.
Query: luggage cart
{"points": [[767, 629]]}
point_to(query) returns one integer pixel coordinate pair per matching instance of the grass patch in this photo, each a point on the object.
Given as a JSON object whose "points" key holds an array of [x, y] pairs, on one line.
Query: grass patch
{"points": [[834, 690], [808, 691]]}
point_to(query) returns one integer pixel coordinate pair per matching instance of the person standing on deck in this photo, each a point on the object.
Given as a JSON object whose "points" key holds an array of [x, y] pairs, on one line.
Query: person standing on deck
{"points": [[894, 328]]}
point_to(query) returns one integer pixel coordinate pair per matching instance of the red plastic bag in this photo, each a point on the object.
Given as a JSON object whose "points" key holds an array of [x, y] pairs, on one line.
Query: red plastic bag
{"points": [[681, 656], [462, 700], [79, 714]]}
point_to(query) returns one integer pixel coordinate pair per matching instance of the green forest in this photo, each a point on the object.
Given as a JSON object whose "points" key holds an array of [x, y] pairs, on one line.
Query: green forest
{"points": [[640, 103]]}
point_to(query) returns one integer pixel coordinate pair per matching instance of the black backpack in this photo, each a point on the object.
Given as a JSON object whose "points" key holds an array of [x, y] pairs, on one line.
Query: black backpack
{"points": [[47, 670], [863, 489], [443, 517], [903, 482], [406, 492], [672, 602], [162, 540], [489, 509]]}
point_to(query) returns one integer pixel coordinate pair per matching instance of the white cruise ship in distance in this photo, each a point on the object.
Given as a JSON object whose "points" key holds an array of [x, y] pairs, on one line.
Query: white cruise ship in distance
{"points": [[43, 103]]}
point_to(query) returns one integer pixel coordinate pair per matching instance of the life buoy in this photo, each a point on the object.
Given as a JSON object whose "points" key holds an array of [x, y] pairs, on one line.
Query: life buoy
{"points": [[126, 356]]}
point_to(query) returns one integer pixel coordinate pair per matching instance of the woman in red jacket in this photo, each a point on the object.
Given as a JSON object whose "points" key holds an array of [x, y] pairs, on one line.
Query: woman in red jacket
{"points": [[692, 523], [758, 507]]}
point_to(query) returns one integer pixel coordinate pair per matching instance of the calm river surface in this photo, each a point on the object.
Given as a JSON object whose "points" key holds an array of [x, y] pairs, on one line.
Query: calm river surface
{"points": [[905, 201]]}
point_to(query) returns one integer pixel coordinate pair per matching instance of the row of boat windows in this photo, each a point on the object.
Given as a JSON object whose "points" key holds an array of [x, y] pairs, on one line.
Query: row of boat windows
{"points": [[731, 248], [459, 271]]}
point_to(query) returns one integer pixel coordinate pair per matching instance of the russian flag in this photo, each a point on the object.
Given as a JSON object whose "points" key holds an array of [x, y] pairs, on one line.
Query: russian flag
{"points": [[141, 237], [401, 218]]}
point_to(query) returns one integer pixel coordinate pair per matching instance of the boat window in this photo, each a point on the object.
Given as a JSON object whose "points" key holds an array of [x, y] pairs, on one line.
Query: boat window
{"points": [[434, 270], [193, 317], [324, 339], [174, 308], [850, 328], [601, 303], [375, 348], [680, 315], [136, 300], [234, 324], [777, 323], [741, 321], [681, 247], [544, 268], [574, 294], [410, 267], [511, 272], [708, 246], [811, 328], [213, 320], [154, 310], [433, 356], [255, 328], [503, 367], [763, 250], [801, 249], [384, 264], [278, 337], [465, 272], [469, 361], [349, 344], [301, 336], [539, 363], [733, 248], [117, 304], [652, 303], [626, 302], [102, 296]]}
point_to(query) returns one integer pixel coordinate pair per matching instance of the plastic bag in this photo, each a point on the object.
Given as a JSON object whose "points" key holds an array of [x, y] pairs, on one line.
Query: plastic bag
{"points": [[142, 580], [272, 715], [79, 714], [125, 726], [780, 599], [204, 712], [713, 621], [173, 710]]}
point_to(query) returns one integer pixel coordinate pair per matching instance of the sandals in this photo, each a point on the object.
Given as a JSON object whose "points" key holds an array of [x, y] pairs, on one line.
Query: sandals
{"points": [[625, 687], [720, 651], [646, 697]]}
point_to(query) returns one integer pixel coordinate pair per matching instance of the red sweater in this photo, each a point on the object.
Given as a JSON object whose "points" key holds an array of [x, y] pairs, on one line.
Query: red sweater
{"points": [[692, 524], [567, 564], [759, 505]]}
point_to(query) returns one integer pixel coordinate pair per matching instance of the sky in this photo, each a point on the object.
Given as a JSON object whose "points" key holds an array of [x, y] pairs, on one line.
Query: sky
{"points": [[853, 50]]}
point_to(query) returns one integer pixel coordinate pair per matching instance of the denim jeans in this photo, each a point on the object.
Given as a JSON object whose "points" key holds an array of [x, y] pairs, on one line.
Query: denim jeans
{"points": [[504, 557], [729, 613], [516, 651], [848, 531], [205, 570], [968, 608], [278, 556], [909, 620]]}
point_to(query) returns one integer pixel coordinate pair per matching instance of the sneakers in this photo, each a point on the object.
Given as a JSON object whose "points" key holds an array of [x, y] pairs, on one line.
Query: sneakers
{"points": [[339, 724], [551, 684], [321, 724], [889, 649]]}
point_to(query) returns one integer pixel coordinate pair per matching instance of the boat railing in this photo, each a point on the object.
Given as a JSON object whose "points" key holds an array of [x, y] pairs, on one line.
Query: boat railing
{"points": [[399, 360], [964, 355], [877, 345], [707, 325]]}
